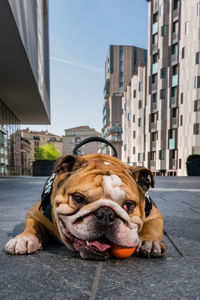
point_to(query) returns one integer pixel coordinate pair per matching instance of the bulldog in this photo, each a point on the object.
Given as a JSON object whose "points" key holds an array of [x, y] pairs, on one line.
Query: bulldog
{"points": [[90, 203]]}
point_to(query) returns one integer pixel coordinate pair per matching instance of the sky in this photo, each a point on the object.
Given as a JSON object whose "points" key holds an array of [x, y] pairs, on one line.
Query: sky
{"points": [[80, 32]]}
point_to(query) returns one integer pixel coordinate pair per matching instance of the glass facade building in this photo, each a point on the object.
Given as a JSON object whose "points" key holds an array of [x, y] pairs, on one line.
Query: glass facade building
{"points": [[9, 124]]}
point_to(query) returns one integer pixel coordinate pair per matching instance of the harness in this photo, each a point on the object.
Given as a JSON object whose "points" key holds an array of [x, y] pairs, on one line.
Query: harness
{"points": [[48, 186]]}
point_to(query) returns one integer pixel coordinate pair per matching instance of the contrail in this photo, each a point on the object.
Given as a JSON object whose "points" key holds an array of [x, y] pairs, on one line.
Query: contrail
{"points": [[68, 62]]}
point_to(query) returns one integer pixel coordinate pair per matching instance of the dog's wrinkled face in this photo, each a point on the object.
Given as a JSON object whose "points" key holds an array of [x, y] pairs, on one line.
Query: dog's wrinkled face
{"points": [[97, 203]]}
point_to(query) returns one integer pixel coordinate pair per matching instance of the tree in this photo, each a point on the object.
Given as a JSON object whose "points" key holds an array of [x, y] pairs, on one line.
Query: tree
{"points": [[47, 152]]}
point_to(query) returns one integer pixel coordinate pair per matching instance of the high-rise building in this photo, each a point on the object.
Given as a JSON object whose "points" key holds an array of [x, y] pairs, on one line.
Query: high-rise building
{"points": [[134, 119], [173, 98], [24, 69], [121, 63]]}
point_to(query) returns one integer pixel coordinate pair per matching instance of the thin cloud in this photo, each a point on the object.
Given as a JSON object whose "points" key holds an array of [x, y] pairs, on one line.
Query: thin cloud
{"points": [[69, 62]]}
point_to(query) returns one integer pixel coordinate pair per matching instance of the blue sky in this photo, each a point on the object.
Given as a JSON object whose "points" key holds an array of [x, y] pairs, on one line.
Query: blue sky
{"points": [[80, 34]]}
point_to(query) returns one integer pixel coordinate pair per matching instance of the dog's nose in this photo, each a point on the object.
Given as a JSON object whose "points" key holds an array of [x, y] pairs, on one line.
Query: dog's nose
{"points": [[105, 216]]}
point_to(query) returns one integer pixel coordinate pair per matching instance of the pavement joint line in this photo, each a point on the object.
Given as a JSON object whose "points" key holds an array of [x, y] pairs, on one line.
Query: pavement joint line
{"points": [[96, 280], [175, 190], [172, 243]]}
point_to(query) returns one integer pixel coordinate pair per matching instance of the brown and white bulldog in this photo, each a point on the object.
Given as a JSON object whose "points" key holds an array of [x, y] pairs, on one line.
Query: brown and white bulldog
{"points": [[94, 201]]}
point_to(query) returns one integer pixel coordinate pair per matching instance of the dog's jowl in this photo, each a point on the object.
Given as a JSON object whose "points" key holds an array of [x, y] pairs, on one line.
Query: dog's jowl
{"points": [[91, 203]]}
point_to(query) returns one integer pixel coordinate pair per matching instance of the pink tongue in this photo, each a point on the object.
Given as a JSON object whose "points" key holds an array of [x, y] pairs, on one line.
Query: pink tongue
{"points": [[102, 247]]}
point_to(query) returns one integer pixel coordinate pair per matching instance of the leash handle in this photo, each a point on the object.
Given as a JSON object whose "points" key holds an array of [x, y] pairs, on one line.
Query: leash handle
{"points": [[95, 139]]}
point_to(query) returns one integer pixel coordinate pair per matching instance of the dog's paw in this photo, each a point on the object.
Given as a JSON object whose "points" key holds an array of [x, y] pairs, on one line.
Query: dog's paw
{"points": [[23, 244], [151, 249]]}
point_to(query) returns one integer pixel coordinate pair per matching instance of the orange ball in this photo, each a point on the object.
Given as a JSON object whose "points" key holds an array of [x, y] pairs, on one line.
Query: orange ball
{"points": [[121, 252]]}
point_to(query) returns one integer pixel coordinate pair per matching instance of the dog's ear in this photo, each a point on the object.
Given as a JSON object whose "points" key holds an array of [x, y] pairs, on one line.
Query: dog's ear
{"points": [[69, 163], [143, 177]]}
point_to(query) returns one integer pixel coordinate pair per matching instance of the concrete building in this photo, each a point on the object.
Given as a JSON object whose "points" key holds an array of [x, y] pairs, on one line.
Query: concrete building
{"points": [[170, 129], [41, 138], [74, 136], [121, 63], [24, 71], [173, 104], [134, 119]]}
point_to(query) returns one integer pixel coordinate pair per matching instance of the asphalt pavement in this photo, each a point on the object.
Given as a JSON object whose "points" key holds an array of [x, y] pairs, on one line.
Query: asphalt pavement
{"points": [[56, 273]]}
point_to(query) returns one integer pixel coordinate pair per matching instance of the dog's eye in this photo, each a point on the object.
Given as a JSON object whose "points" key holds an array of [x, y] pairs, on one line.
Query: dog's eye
{"points": [[78, 198], [129, 206]]}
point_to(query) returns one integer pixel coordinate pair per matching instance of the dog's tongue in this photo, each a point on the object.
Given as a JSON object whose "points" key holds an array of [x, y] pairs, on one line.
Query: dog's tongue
{"points": [[101, 246]]}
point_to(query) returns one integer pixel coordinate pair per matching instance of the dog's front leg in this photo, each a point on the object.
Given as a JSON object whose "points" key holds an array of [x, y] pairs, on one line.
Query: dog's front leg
{"points": [[151, 235], [28, 241]]}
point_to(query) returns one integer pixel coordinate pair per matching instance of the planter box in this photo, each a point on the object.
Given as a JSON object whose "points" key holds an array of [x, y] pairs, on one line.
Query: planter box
{"points": [[43, 167]]}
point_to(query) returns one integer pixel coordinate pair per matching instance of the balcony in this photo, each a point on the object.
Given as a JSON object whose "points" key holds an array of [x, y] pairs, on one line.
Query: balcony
{"points": [[155, 68], [155, 6], [162, 165], [174, 80], [174, 59], [153, 126], [154, 86], [173, 164], [153, 145], [154, 107], [107, 88], [174, 122], [173, 102], [114, 139], [152, 164], [115, 128], [171, 144], [175, 15], [154, 48], [174, 37], [155, 28]]}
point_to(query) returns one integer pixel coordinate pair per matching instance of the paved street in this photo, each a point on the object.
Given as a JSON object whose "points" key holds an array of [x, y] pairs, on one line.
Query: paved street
{"points": [[56, 273]]}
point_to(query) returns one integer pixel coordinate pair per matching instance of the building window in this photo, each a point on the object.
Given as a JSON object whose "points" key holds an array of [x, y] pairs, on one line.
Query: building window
{"points": [[129, 116], [197, 82], [139, 122], [179, 163], [124, 147], [155, 39], [133, 150], [154, 98], [152, 155], [164, 30], [163, 73], [183, 52], [162, 94], [133, 118], [198, 9], [139, 156], [186, 27], [175, 70], [140, 104], [155, 18], [134, 134], [162, 154], [161, 10], [140, 86], [154, 78], [175, 27], [196, 128], [181, 120], [174, 112], [125, 106], [176, 4], [198, 58], [197, 105], [155, 58], [181, 98], [175, 49], [134, 94], [154, 136]]}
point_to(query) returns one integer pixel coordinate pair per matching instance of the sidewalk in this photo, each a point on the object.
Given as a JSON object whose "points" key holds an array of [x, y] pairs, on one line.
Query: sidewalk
{"points": [[56, 273]]}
